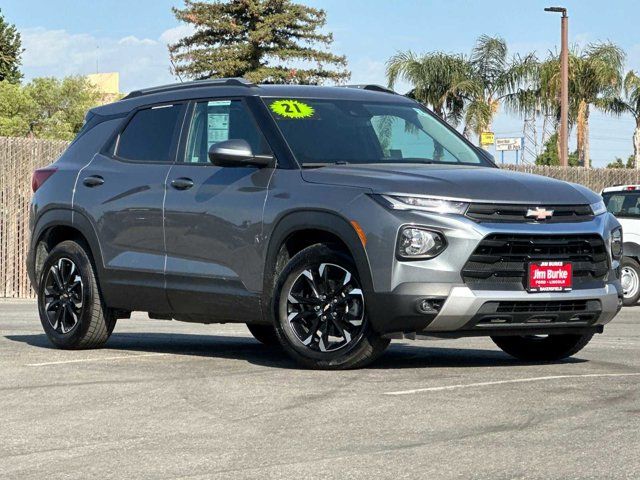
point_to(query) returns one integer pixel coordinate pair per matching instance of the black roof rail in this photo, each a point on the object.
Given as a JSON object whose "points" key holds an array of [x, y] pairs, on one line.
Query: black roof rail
{"points": [[372, 87], [217, 82]]}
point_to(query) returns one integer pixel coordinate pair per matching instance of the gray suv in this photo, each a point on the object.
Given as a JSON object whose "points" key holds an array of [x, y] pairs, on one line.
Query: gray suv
{"points": [[330, 220]]}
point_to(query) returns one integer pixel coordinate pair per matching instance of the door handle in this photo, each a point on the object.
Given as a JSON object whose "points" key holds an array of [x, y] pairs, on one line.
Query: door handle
{"points": [[93, 181], [182, 183]]}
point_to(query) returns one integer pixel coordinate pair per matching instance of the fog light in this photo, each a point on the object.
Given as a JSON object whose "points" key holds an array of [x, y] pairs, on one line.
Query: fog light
{"points": [[429, 305], [418, 243]]}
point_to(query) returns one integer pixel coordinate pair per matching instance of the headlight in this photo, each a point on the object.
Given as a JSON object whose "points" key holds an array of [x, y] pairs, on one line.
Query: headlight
{"points": [[418, 243], [598, 208], [427, 204], [616, 243]]}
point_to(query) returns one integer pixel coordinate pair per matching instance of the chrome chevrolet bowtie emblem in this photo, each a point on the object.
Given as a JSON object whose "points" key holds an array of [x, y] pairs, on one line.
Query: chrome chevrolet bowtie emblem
{"points": [[539, 213]]}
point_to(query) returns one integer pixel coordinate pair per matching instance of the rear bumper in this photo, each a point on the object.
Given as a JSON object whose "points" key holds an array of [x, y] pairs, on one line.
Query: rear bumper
{"points": [[470, 312]]}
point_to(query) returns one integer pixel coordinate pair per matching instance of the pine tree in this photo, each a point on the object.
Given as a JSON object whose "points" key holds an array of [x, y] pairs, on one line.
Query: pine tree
{"points": [[10, 51], [266, 41]]}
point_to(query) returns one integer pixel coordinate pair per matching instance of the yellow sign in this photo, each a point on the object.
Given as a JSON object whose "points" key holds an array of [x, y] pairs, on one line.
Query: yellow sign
{"points": [[292, 109], [487, 138]]}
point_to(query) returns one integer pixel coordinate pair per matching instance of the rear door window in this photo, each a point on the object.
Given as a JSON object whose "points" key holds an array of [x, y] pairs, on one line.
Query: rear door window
{"points": [[150, 135]]}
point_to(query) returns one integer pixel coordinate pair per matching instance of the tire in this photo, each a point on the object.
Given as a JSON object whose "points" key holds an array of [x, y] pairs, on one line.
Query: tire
{"points": [[542, 348], [320, 314], [71, 308], [630, 280], [265, 334]]}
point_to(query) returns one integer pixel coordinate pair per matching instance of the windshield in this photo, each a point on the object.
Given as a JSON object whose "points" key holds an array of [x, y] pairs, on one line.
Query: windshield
{"points": [[623, 204], [321, 132]]}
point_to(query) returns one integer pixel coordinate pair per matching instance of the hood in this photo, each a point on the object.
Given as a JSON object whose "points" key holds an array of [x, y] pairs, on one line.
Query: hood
{"points": [[474, 183]]}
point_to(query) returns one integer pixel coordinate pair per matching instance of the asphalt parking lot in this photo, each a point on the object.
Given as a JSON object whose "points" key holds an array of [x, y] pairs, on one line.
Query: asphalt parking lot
{"points": [[174, 400]]}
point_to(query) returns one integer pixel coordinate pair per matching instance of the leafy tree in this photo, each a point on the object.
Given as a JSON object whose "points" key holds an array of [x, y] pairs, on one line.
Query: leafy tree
{"points": [[549, 155], [10, 51], [61, 105], [437, 80], [619, 163], [268, 41], [46, 107], [16, 109]]}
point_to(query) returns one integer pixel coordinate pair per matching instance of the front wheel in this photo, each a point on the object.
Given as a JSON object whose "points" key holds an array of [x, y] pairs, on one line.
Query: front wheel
{"points": [[542, 347], [630, 280], [320, 312]]}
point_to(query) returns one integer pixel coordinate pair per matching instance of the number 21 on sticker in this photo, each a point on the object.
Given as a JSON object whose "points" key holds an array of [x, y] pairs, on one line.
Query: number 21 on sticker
{"points": [[292, 109]]}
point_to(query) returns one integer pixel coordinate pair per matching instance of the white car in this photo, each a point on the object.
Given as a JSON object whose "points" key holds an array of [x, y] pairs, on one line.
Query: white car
{"points": [[624, 202]]}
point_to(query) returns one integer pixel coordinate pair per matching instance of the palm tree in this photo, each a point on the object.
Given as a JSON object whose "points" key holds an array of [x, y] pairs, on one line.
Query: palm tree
{"points": [[434, 78], [495, 77], [595, 78], [631, 103], [456, 87]]}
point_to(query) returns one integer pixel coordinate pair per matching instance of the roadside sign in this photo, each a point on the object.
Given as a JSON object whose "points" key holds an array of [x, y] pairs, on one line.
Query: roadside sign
{"points": [[509, 144], [487, 138]]}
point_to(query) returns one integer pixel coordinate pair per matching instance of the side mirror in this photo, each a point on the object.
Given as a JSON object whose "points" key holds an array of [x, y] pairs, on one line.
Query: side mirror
{"points": [[236, 153]]}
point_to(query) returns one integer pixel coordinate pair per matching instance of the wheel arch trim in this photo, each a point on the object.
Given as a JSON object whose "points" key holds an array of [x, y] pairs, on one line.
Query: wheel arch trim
{"points": [[63, 217], [314, 219], [631, 249]]}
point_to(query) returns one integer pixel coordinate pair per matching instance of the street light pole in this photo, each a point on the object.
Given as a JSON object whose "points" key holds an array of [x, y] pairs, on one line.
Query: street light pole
{"points": [[564, 84]]}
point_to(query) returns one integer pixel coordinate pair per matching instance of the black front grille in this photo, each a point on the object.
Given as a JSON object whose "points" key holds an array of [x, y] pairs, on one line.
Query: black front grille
{"points": [[508, 313], [497, 213], [501, 261], [542, 307]]}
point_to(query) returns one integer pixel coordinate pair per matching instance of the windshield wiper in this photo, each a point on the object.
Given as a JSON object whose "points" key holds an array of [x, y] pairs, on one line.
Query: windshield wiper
{"points": [[322, 164]]}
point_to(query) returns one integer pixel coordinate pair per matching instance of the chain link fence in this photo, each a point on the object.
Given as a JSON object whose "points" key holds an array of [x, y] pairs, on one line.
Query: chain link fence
{"points": [[19, 157], [594, 178]]}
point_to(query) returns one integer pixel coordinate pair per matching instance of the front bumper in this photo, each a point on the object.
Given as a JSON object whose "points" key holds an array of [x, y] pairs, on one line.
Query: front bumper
{"points": [[463, 305], [399, 285], [465, 312]]}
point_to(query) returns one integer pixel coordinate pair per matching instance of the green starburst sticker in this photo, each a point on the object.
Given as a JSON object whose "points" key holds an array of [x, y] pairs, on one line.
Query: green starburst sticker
{"points": [[292, 109]]}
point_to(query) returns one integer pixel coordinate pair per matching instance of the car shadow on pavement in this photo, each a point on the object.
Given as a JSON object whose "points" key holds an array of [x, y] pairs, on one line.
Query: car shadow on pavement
{"points": [[423, 354], [397, 356]]}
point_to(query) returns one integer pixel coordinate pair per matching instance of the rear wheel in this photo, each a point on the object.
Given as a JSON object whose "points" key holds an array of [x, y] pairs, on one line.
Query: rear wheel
{"points": [[71, 309], [265, 334], [320, 312], [542, 347], [630, 280]]}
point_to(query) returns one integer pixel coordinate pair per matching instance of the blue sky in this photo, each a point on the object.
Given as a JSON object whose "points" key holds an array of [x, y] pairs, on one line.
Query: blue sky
{"points": [[65, 37]]}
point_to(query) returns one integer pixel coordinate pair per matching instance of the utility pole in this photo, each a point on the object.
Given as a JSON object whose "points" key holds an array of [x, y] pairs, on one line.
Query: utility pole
{"points": [[564, 84]]}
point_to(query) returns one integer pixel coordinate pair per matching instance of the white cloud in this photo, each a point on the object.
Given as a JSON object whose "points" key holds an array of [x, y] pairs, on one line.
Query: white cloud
{"points": [[174, 34], [133, 40], [140, 61]]}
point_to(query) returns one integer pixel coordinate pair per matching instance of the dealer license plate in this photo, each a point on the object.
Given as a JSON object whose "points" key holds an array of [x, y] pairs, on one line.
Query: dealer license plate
{"points": [[550, 277]]}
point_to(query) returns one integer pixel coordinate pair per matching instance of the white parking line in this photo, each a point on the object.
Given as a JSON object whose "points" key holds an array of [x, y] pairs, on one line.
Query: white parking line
{"points": [[504, 382], [99, 359]]}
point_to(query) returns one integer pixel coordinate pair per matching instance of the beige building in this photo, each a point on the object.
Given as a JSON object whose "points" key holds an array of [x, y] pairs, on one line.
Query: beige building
{"points": [[108, 84]]}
